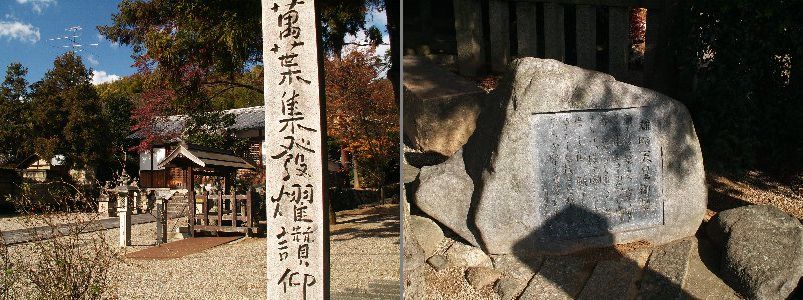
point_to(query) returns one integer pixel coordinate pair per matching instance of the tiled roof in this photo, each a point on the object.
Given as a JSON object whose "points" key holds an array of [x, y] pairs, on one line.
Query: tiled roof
{"points": [[244, 118]]}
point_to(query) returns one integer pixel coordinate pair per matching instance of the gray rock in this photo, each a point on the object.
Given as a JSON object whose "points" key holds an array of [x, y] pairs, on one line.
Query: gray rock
{"points": [[481, 277], [428, 234], [440, 108], [463, 255], [444, 193], [438, 262], [570, 159], [763, 250]]}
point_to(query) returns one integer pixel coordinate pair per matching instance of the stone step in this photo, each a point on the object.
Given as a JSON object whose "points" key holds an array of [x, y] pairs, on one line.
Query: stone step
{"points": [[615, 279], [701, 282], [560, 277], [666, 270]]}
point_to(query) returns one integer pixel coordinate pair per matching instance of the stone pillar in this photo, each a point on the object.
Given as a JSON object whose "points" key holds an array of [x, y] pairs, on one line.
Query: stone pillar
{"points": [[295, 126], [124, 211]]}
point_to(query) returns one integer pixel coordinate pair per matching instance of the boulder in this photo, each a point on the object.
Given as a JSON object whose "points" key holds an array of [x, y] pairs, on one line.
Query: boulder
{"points": [[444, 193], [763, 250], [566, 159], [440, 108]]}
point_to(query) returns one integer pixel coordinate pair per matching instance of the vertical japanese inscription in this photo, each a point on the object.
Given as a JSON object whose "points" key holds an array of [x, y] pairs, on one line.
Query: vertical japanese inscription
{"points": [[296, 225], [599, 171]]}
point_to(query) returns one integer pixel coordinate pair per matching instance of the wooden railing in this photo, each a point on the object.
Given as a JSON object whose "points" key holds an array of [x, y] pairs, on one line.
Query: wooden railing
{"points": [[224, 212], [512, 28]]}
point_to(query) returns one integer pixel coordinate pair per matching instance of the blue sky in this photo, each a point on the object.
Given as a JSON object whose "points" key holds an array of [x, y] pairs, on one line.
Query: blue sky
{"points": [[27, 27]]}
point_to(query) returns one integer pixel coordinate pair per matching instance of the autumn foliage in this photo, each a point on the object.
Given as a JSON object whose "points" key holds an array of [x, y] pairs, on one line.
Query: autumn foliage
{"points": [[361, 113]]}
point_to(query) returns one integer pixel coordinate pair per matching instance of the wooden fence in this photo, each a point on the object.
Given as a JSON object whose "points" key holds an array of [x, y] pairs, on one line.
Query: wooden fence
{"points": [[224, 213], [570, 33]]}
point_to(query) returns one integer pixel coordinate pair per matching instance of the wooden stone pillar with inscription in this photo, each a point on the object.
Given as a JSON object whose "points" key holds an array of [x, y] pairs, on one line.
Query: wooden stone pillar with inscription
{"points": [[296, 204]]}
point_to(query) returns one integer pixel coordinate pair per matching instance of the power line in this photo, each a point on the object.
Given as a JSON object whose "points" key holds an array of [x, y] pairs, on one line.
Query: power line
{"points": [[72, 41]]}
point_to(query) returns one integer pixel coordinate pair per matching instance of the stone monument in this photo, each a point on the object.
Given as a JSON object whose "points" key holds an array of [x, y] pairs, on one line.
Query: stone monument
{"points": [[568, 158], [296, 205], [126, 195]]}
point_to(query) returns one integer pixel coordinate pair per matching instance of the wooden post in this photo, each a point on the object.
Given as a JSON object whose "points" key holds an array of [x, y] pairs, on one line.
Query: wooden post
{"points": [[468, 32], [618, 41], [660, 71], [586, 21], [220, 208], [191, 200], [526, 26], [249, 208], [554, 38], [498, 17], [205, 208], [235, 207]]}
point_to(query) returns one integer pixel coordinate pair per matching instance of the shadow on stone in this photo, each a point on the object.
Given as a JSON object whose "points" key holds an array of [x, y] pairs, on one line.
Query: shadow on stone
{"points": [[420, 159], [602, 273]]}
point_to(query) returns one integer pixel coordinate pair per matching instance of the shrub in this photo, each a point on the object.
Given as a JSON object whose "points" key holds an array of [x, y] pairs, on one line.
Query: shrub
{"points": [[69, 257]]}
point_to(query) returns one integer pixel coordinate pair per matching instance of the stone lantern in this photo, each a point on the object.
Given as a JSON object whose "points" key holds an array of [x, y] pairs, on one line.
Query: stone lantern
{"points": [[107, 204]]}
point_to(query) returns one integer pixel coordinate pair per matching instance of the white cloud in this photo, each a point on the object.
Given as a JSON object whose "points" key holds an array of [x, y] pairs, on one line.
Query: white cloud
{"points": [[99, 77], [18, 30], [92, 60], [380, 18], [38, 5]]}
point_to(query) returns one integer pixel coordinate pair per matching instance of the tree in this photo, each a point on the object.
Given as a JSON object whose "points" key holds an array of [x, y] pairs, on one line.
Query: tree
{"points": [[13, 112], [361, 113], [737, 60], [195, 51], [117, 99], [66, 114], [341, 18]]}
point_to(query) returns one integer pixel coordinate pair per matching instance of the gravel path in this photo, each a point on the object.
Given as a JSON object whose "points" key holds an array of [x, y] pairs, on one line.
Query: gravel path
{"points": [[364, 255], [365, 248]]}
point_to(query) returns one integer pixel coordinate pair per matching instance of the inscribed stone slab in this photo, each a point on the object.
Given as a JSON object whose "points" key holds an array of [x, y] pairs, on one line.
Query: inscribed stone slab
{"points": [[297, 241]]}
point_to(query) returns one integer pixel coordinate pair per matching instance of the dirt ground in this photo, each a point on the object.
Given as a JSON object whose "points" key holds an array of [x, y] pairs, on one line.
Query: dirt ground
{"points": [[725, 192]]}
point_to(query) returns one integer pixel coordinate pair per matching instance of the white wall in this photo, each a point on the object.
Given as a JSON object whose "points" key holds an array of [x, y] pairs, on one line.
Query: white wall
{"points": [[145, 159]]}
